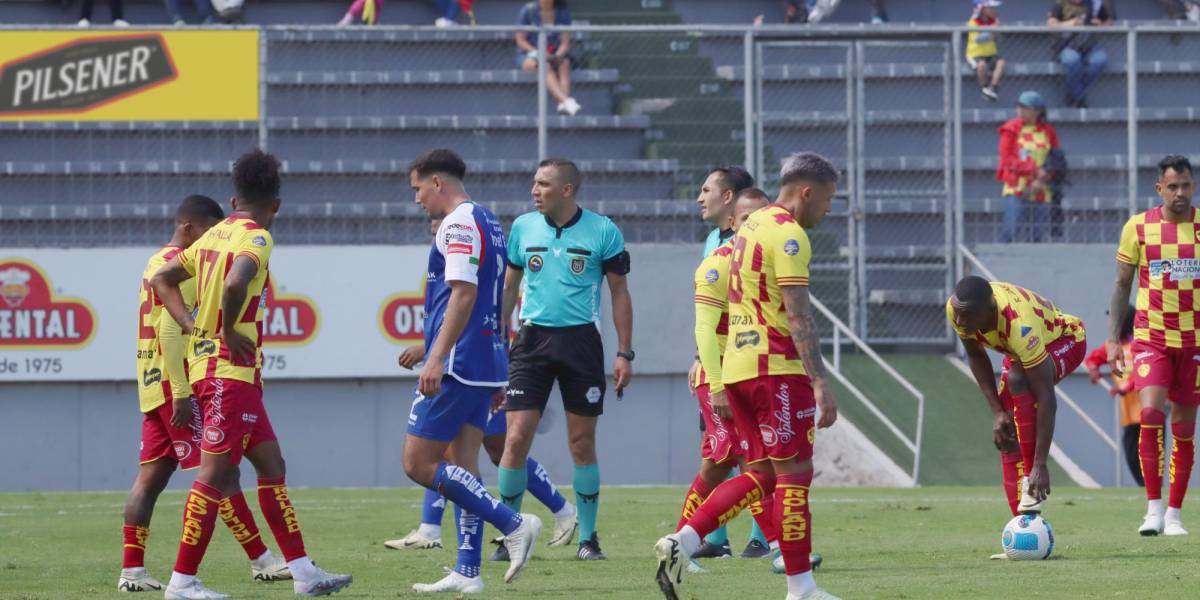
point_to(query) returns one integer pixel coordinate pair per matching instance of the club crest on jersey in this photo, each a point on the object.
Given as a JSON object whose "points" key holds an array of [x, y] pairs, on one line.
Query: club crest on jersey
{"points": [[535, 263], [1144, 370], [791, 247], [577, 265], [712, 276]]}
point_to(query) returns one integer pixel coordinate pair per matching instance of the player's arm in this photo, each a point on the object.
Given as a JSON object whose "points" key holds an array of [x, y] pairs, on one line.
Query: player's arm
{"points": [[622, 308], [512, 291], [1004, 431], [458, 312], [708, 315], [166, 286], [412, 355], [173, 343], [233, 297], [1040, 379], [807, 339], [1117, 305]]}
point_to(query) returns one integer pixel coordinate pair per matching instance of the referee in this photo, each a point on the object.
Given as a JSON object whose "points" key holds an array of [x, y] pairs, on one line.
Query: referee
{"points": [[563, 252]]}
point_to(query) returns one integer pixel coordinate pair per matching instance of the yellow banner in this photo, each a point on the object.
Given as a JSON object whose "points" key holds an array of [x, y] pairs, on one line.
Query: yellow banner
{"points": [[129, 76]]}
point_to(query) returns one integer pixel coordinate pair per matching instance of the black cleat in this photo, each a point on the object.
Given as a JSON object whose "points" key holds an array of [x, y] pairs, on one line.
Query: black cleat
{"points": [[590, 549], [501, 553], [756, 549], [708, 550]]}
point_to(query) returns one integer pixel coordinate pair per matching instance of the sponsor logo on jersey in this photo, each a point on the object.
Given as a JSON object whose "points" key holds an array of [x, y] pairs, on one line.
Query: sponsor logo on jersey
{"points": [[1025, 329], [32, 316], [288, 319], [578, 264], [1176, 269], [746, 338], [769, 437], [791, 247], [202, 348], [535, 263], [1032, 343], [712, 276], [151, 377], [182, 449], [259, 241]]}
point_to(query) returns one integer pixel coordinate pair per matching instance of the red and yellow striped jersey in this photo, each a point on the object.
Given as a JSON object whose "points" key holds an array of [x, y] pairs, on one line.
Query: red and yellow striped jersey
{"points": [[1025, 324], [770, 252], [161, 365], [712, 295], [1168, 269], [209, 261]]}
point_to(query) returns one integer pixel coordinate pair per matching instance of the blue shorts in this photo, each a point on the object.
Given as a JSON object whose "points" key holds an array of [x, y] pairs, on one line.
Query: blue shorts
{"points": [[443, 416], [497, 424]]}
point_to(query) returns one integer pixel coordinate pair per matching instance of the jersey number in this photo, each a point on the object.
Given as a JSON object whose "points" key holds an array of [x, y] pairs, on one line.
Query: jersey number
{"points": [[208, 264], [735, 271], [146, 332]]}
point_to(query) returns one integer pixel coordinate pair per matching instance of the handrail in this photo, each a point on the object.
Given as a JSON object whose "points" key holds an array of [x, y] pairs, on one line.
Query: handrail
{"points": [[839, 329]]}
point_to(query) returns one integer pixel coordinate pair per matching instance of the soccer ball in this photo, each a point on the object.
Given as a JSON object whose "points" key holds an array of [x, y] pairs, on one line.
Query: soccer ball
{"points": [[1027, 537]]}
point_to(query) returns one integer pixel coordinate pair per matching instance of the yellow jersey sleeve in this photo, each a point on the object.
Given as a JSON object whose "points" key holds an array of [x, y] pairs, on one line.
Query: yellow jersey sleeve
{"points": [[1128, 249], [187, 258], [711, 302], [174, 344], [256, 244], [790, 253]]}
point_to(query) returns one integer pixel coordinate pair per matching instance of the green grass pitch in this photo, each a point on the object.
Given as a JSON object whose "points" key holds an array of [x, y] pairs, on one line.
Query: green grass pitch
{"points": [[878, 543]]}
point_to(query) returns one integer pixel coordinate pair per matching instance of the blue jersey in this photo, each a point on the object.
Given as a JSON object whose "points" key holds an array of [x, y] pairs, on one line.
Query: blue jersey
{"points": [[469, 247], [714, 240], [564, 266]]}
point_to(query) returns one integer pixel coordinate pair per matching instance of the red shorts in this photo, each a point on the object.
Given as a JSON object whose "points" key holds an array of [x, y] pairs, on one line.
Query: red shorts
{"points": [[1172, 368], [1065, 353], [775, 417], [234, 417], [720, 443], [160, 439]]}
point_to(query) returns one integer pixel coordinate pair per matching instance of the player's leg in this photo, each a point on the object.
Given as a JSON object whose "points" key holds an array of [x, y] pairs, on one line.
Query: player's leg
{"points": [[531, 376], [151, 479], [579, 358], [585, 480], [1025, 418], [1185, 396], [465, 577], [1011, 465], [714, 444], [235, 513], [538, 483], [428, 534], [1153, 375], [709, 476]]}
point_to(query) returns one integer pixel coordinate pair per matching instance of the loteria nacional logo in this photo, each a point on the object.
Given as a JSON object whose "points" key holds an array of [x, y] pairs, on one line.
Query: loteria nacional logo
{"points": [[32, 317], [402, 316], [288, 319], [85, 73]]}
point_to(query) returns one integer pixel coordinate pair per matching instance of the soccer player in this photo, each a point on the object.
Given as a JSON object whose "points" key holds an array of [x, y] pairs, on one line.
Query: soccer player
{"points": [[563, 253], [1041, 345], [230, 264], [170, 422], [1161, 244], [465, 370], [773, 376]]}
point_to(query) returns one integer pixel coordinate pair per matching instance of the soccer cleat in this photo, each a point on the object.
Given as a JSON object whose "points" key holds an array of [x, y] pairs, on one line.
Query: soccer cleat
{"points": [[194, 590], [694, 567], [1173, 527], [1152, 525], [1028, 504], [323, 584], [777, 566], [413, 541], [137, 580], [501, 553], [520, 544], [452, 582], [564, 530], [816, 594], [708, 550], [672, 559], [589, 549], [989, 92], [272, 569], [1001, 556], [755, 549]]}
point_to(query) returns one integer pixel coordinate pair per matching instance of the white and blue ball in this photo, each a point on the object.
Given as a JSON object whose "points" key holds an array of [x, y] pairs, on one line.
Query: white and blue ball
{"points": [[1027, 537]]}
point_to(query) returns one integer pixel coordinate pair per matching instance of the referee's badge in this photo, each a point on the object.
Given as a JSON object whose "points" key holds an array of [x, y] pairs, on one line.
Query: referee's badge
{"points": [[535, 263], [577, 265]]}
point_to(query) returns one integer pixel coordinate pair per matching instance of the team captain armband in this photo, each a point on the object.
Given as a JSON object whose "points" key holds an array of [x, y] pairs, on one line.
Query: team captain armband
{"points": [[618, 264]]}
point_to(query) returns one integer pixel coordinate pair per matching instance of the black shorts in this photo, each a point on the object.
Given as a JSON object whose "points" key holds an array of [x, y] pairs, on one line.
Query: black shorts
{"points": [[572, 356]]}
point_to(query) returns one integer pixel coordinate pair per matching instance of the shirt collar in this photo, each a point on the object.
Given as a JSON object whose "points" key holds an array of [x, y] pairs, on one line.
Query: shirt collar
{"points": [[724, 234], [574, 220]]}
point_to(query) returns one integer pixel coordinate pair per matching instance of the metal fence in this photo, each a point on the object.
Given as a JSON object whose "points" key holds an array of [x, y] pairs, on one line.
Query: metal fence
{"points": [[899, 109]]}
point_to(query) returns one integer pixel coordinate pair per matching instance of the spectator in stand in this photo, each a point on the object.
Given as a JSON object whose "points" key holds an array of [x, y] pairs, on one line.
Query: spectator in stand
{"points": [[815, 11], [203, 10], [1182, 9], [451, 9], [1122, 388], [1025, 142], [1080, 52], [982, 53], [115, 7], [558, 50]]}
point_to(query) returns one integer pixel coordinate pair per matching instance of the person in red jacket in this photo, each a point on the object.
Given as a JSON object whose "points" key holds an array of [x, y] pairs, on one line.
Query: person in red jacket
{"points": [[1025, 142], [1122, 388]]}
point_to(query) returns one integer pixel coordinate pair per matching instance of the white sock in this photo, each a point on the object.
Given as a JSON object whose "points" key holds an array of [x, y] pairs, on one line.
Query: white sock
{"points": [[773, 545], [179, 580], [433, 532], [1172, 514], [799, 585], [302, 568], [1155, 506], [266, 555], [689, 539], [134, 570], [568, 510]]}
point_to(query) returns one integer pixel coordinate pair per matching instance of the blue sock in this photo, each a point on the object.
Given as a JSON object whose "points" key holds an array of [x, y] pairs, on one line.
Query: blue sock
{"points": [[718, 537], [542, 488], [432, 508], [512, 487], [470, 538], [462, 488], [756, 533], [586, 481]]}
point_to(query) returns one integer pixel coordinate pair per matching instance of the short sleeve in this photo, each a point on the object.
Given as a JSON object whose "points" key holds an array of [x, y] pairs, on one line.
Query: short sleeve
{"points": [[256, 245], [187, 258], [791, 254], [612, 242], [524, 17], [514, 258], [711, 283], [461, 243], [1128, 249], [950, 319]]}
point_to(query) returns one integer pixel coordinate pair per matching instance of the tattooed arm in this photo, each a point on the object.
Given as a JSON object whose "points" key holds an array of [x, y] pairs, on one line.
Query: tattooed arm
{"points": [[808, 343]]}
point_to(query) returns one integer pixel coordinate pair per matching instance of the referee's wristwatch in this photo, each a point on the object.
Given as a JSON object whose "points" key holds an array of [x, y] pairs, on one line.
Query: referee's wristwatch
{"points": [[626, 355]]}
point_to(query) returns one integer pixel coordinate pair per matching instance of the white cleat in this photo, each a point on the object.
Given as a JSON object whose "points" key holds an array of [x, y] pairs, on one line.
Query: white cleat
{"points": [[194, 590], [564, 529], [137, 580], [816, 594], [1173, 527], [444, 23], [1028, 503], [323, 584], [272, 569], [413, 541], [672, 562], [520, 544], [452, 582], [1001, 556], [1152, 524]]}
